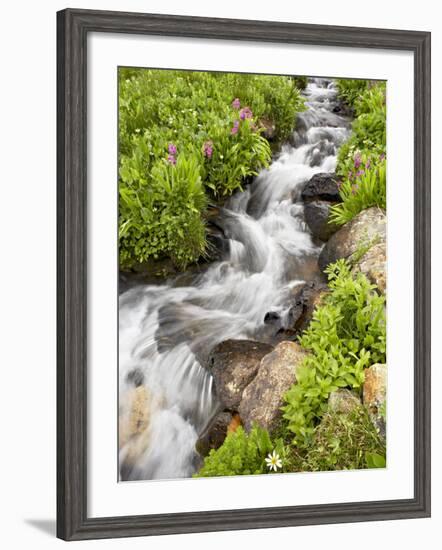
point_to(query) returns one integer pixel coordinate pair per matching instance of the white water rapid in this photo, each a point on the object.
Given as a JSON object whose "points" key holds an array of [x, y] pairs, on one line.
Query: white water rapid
{"points": [[166, 332]]}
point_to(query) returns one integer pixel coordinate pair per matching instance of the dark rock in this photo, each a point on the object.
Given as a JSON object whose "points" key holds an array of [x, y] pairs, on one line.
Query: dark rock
{"points": [[316, 214], [268, 128], [263, 398], [272, 318], [214, 435], [369, 226], [306, 298], [217, 243], [234, 364], [135, 377], [322, 187]]}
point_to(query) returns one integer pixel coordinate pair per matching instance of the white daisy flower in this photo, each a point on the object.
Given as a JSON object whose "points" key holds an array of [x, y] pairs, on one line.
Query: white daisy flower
{"points": [[273, 461]]}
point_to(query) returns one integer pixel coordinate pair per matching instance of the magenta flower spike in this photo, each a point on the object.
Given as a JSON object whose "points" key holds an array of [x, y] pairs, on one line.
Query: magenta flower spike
{"points": [[235, 127], [208, 149], [246, 112], [171, 159], [236, 104], [172, 149], [357, 160]]}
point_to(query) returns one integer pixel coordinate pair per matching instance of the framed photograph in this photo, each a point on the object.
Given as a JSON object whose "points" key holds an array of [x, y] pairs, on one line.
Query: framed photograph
{"points": [[243, 274]]}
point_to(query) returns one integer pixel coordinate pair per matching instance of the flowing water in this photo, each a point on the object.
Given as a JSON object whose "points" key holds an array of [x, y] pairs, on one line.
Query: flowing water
{"points": [[166, 331]]}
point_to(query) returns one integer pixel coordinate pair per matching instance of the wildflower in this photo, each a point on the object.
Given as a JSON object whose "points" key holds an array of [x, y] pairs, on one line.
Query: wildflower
{"points": [[236, 104], [235, 127], [368, 163], [208, 149], [273, 461], [171, 159], [350, 175], [359, 173], [382, 157], [245, 112], [172, 149], [357, 160]]}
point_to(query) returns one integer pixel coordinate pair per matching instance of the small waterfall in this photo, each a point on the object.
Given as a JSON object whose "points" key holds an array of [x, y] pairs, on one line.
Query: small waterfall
{"points": [[166, 332]]}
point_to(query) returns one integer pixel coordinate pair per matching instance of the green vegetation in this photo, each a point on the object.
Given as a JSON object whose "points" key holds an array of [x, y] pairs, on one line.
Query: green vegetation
{"points": [[368, 188], [343, 442], [347, 334], [241, 454], [186, 138], [361, 160]]}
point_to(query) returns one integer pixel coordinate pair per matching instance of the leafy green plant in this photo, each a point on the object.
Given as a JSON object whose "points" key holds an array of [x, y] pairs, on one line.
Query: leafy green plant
{"points": [[346, 335], [368, 133], [360, 191], [242, 453], [343, 442], [210, 120], [350, 90]]}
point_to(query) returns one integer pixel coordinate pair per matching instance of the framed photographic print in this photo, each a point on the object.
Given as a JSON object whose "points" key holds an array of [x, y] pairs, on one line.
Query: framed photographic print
{"points": [[243, 274]]}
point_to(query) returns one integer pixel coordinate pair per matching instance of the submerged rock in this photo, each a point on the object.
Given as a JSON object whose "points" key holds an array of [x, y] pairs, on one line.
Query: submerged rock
{"points": [[234, 364], [322, 187], [263, 397], [369, 227]]}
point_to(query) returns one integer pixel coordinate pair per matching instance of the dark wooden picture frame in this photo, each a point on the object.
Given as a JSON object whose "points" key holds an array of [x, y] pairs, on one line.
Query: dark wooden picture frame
{"points": [[73, 27]]}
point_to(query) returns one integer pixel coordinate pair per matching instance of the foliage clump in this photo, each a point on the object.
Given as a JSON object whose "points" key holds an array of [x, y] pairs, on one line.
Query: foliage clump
{"points": [[186, 138], [343, 442], [346, 335], [361, 160], [241, 453]]}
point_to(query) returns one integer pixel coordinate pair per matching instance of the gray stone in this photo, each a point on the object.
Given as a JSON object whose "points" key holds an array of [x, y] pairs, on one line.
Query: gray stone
{"points": [[369, 226]]}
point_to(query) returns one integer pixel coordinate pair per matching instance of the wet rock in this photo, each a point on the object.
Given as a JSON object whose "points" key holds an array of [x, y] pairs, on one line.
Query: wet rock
{"points": [[217, 244], [263, 397], [215, 434], [369, 226], [375, 393], [343, 401], [306, 298], [322, 187], [316, 214], [373, 265], [134, 423], [234, 364], [272, 318]]}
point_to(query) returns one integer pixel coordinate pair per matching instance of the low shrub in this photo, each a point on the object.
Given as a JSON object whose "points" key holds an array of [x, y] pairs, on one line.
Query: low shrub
{"points": [[343, 442], [346, 335], [362, 188], [349, 90], [242, 453]]}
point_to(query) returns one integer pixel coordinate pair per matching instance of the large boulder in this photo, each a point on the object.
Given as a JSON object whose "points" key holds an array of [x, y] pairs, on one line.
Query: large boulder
{"points": [[234, 364], [316, 214], [373, 265], [368, 228], [322, 187], [263, 398]]}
